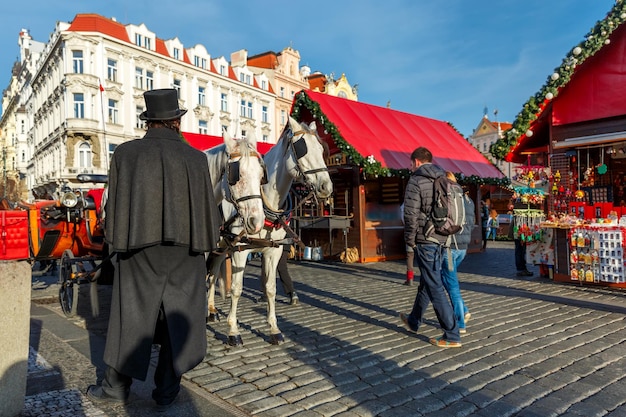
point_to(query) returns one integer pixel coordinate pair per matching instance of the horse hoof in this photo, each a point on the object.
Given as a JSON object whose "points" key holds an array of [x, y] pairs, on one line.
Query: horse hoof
{"points": [[235, 340], [277, 339], [212, 318]]}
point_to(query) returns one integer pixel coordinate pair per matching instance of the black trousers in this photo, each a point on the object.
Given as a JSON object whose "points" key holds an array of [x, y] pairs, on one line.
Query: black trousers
{"points": [[520, 255], [167, 382]]}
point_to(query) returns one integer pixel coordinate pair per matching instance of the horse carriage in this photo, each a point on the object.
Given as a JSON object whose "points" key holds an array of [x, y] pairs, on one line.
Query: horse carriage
{"points": [[67, 232]]}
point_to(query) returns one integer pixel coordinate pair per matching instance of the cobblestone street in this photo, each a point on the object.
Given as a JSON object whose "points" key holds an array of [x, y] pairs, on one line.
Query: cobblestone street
{"points": [[533, 348]]}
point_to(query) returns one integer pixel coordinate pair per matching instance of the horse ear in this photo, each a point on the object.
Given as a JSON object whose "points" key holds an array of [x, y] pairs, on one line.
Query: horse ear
{"points": [[313, 126], [252, 139], [293, 123], [230, 143]]}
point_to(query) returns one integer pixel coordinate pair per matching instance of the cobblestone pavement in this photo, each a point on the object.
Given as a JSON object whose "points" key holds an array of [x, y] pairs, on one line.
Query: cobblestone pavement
{"points": [[533, 348]]}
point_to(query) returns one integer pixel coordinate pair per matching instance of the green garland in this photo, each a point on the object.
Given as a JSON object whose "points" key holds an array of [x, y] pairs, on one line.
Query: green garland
{"points": [[595, 40], [371, 168]]}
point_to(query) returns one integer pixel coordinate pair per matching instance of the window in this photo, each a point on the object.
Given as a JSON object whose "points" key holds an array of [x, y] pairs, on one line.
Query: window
{"points": [[199, 62], [265, 138], [245, 78], [113, 112], [139, 78], [77, 62], [177, 87], [112, 147], [23, 126], [147, 43], [203, 127], [111, 69], [264, 114], [223, 70], [176, 52], [283, 117], [223, 102], [79, 105], [245, 110], [149, 80], [201, 96], [138, 39], [224, 128], [23, 156], [264, 85], [84, 155], [243, 134], [282, 92], [138, 121]]}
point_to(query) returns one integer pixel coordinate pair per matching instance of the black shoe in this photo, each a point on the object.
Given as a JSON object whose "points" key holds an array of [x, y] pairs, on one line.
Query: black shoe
{"points": [[524, 273], [262, 299], [408, 282], [161, 408], [97, 395], [405, 320], [293, 298]]}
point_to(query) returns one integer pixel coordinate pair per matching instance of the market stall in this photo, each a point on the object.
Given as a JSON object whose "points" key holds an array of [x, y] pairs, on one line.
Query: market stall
{"points": [[574, 126]]}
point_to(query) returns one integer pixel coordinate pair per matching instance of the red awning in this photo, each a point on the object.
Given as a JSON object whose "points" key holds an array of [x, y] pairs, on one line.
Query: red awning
{"points": [[597, 89], [204, 142], [390, 136]]}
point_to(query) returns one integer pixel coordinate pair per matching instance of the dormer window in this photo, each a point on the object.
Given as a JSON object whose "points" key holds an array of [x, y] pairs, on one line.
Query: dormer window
{"points": [[176, 53]]}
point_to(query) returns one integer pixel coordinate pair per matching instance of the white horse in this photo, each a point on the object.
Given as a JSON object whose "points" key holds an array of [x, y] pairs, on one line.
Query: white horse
{"points": [[298, 155], [237, 171]]}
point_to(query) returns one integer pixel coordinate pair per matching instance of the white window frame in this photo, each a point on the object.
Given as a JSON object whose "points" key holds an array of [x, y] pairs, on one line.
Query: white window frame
{"points": [[111, 69], [79, 105], [84, 155], [224, 102], [203, 127], [113, 111], [201, 95], [78, 66], [149, 80], [139, 78]]}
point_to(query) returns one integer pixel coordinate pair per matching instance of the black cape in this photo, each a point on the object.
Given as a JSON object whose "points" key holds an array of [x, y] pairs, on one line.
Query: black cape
{"points": [[159, 192]]}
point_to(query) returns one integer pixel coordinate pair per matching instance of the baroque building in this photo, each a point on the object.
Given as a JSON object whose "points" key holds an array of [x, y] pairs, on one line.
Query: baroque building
{"points": [[486, 133], [73, 99]]}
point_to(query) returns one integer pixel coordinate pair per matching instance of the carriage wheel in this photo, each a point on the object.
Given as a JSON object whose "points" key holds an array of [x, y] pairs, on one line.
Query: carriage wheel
{"points": [[68, 293]]}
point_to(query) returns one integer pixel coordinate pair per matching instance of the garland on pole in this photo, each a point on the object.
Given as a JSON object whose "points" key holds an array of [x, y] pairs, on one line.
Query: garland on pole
{"points": [[595, 40], [369, 165]]}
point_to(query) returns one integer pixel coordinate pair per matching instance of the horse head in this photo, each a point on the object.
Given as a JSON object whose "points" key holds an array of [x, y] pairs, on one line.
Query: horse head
{"points": [[242, 174], [309, 157]]}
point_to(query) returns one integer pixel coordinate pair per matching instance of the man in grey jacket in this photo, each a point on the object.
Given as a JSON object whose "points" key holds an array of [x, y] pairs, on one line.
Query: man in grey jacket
{"points": [[428, 246]]}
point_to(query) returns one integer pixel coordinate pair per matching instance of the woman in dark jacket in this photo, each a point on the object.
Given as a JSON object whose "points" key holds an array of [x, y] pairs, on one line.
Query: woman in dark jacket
{"points": [[456, 254]]}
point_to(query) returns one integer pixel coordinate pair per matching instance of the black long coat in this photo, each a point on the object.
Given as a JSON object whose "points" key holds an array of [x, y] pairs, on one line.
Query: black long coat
{"points": [[159, 193]]}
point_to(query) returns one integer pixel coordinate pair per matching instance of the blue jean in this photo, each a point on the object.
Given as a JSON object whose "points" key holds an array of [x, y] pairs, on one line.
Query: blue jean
{"points": [[431, 289], [451, 284], [492, 233]]}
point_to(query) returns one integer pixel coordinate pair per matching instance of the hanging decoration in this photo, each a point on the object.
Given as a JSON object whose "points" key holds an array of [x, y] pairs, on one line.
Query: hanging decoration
{"points": [[597, 38], [370, 167]]}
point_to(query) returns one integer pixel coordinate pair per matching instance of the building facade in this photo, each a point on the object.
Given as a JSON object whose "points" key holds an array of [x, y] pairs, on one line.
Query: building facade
{"points": [[70, 104], [487, 133]]}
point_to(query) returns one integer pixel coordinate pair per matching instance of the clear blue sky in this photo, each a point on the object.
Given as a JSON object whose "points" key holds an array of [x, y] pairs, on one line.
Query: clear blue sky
{"points": [[444, 60]]}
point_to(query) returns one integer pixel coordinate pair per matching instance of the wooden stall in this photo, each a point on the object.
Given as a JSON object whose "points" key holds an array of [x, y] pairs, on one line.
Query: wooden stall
{"points": [[370, 149], [575, 126]]}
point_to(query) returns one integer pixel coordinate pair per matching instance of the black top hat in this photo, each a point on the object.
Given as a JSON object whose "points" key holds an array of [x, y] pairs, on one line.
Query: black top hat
{"points": [[161, 105]]}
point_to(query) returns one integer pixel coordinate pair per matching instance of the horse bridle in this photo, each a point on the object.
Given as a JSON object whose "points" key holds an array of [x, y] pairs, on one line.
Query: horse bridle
{"points": [[233, 175], [300, 150]]}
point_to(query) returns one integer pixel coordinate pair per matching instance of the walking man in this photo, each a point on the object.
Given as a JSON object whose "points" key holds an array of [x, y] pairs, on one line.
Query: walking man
{"points": [[418, 200]]}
